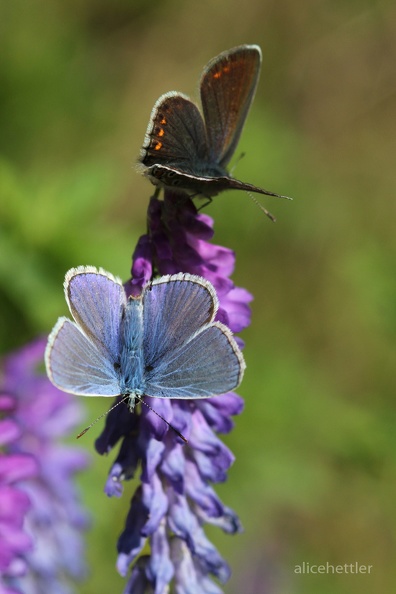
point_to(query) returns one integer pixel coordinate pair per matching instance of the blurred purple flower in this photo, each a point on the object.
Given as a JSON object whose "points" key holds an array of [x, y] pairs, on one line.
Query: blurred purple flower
{"points": [[40, 516], [175, 498]]}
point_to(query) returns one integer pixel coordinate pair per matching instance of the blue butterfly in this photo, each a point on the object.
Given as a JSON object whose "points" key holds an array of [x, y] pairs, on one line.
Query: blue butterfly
{"points": [[164, 343]]}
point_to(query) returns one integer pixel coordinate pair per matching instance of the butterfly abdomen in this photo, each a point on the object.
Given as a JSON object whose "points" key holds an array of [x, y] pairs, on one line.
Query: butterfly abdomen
{"points": [[132, 361]]}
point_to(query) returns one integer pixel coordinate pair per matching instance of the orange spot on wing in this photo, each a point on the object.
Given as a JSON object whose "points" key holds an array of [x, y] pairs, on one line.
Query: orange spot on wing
{"points": [[161, 133], [158, 146], [224, 70], [163, 121]]}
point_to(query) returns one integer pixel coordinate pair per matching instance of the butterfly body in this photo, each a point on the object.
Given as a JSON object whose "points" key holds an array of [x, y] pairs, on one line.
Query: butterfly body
{"points": [[131, 364], [204, 185], [189, 151], [164, 343]]}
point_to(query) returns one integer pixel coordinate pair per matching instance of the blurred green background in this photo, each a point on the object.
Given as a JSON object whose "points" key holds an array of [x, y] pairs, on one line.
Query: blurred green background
{"points": [[315, 472]]}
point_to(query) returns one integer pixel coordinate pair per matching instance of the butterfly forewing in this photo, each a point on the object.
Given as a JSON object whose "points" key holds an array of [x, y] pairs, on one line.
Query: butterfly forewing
{"points": [[227, 87], [75, 365], [97, 300], [208, 364], [164, 142], [174, 308]]}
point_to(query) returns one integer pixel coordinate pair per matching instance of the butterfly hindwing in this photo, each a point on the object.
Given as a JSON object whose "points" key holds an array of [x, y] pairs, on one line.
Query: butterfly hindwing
{"points": [[186, 354], [208, 364], [75, 365]]}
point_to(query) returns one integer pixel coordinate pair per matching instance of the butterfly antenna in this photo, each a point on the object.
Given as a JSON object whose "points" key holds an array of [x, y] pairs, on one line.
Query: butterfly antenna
{"points": [[83, 432], [241, 156], [265, 211], [161, 417]]}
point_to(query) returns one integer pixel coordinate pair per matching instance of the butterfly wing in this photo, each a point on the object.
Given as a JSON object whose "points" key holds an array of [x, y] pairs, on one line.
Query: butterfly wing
{"points": [[75, 365], [174, 308], [228, 86], [97, 301], [186, 354], [175, 135], [208, 364]]}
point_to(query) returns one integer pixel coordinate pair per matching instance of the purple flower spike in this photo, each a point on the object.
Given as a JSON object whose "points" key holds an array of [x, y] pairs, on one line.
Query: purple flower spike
{"points": [[175, 499], [40, 516]]}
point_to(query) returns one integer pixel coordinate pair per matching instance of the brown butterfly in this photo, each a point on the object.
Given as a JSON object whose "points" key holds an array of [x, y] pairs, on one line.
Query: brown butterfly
{"points": [[183, 150]]}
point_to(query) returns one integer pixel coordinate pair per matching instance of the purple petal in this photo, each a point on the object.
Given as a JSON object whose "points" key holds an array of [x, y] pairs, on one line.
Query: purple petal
{"points": [[153, 455], [124, 466], [197, 226], [14, 541], [17, 467], [173, 467], [235, 302], [142, 268], [182, 418], [130, 543], [13, 505], [9, 431], [114, 486], [204, 440], [160, 568], [218, 409], [217, 421], [156, 503], [138, 582], [229, 521], [201, 493], [119, 423], [183, 522], [220, 259], [227, 404], [188, 577], [153, 424], [7, 402], [211, 469]]}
